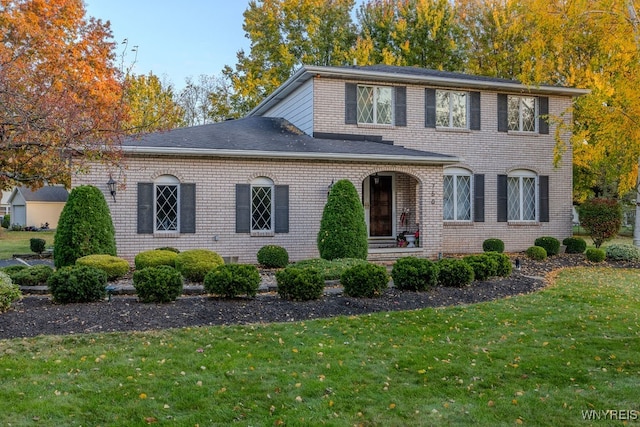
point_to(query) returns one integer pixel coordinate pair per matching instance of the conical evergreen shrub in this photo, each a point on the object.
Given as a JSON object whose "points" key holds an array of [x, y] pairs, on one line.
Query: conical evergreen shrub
{"points": [[85, 227], [343, 231]]}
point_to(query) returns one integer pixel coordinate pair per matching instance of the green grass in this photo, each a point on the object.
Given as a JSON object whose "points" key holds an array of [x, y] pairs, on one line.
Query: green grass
{"points": [[538, 359], [17, 242]]}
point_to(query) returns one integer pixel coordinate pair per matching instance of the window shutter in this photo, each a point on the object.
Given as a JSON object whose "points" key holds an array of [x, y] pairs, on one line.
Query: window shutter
{"points": [[400, 93], [243, 208], [282, 208], [543, 197], [187, 208], [430, 108], [503, 114], [543, 113], [145, 208], [502, 198], [351, 104], [474, 110], [478, 198]]}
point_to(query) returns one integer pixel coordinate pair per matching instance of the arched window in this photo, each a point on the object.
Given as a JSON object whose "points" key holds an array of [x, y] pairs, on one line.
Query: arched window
{"points": [[262, 205], [457, 195], [166, 203], [522, 200]]}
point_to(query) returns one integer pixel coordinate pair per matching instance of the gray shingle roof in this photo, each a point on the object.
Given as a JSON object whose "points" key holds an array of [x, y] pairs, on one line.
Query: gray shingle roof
{"points": [[53, 193]]}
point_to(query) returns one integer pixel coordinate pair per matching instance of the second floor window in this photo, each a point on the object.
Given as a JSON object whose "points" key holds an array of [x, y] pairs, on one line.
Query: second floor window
{"points": [[521, 113], [451, 109], [375, 105]]}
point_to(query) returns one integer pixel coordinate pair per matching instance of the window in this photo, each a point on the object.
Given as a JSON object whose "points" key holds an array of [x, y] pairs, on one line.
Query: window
{"points": [[375, 105], [521, 113], [457, 195], [262, 205], [166, 203], [451, 109], [166, 206], [262, 208], [521, 196]]}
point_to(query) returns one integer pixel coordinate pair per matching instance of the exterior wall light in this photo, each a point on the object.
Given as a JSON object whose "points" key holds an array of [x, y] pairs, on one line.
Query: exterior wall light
{"points": [[111, 185]]}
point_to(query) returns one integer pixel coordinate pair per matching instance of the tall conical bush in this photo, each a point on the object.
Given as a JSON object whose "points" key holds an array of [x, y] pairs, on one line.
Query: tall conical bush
{"points": [[85, 227], [343, 231]]}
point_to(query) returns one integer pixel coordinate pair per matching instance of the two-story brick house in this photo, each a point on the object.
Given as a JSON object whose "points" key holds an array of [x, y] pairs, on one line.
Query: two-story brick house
{"points": [[461, 158]]}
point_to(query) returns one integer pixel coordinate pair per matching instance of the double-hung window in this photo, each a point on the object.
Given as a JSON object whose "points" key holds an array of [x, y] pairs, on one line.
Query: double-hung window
{"points": [[262, 205], [262, 208], [522, 196], [451, 109], [375, 105], [457, 195], [522, 113], [166, 207]]}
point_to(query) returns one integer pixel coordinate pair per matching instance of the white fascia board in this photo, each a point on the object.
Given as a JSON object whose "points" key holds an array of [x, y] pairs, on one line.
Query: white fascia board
{"points": [[288, 155]]}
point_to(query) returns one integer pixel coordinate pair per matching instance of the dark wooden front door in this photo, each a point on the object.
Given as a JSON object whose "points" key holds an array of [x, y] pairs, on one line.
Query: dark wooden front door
{"points": [[381, 207]]}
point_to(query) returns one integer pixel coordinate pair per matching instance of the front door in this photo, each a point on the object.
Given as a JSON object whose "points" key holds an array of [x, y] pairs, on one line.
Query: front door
{"points": [[381, 206]]}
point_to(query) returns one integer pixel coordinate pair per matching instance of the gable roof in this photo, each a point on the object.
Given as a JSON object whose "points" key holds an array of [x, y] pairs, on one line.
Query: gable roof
{"points": [[408, 75], [50, 193], [273, 138]]}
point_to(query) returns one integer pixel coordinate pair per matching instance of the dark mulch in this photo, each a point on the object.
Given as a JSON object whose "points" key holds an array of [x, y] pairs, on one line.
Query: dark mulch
{"points": [[38, 315]]}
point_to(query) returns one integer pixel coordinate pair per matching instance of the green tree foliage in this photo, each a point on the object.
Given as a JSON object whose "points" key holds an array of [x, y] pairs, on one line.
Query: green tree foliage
{"points": [[84, 228], [601, 218], [343, 231], [151, 105]]}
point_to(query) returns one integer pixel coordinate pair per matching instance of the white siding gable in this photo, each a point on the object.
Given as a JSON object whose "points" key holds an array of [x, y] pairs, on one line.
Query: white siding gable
{"points": [[297, 108]]}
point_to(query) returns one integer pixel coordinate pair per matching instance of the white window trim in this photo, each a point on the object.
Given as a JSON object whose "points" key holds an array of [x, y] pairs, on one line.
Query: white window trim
{"points": [[520, 174], [536, 114], [456, 172], [263, 182], [466, 106], [375, 106], [166, 180]]}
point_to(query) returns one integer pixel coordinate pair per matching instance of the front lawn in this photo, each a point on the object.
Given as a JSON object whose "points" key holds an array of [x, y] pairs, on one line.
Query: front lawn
{"points": [[539, 359], [17, 242]]}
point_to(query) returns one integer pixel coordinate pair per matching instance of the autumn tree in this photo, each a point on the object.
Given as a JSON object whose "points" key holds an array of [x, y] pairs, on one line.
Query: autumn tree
{"points": [[60, 93], [151, 105], [195, 99]]}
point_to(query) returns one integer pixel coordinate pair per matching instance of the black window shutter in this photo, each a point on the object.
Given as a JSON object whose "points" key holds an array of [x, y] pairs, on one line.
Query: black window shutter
{"points": [[243, 208], [543, 113], [503, 117], [400, 93], [282, 208], [351, 104], [502, 198], [187, 208], [145, 208], [478, 198], [474, 110], [543, 197], [430, 108]]}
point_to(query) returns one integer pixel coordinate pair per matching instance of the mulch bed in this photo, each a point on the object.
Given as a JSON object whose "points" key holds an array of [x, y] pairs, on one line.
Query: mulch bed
{"points": [[38, 315]]}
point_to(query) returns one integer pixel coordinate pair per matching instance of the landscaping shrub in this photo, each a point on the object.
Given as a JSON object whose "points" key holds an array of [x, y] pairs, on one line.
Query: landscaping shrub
{"points": [[9, 293], [493, 245], [601, 218], [365, 280], [504, 265], [78, 283], [484, 266], [330, 270], [157, 284], [32, 276], [537, 253], [575, 245], [620, 252], [194, 264], [114, 267], [300, 284], [595, 254], [6, 221], [272, 256], [414, 274], [37, 245], [12, 269], [155, 258], [84, 228], [550, 244], [343, 231], [454, 273], [231, 280], [168, 248]]}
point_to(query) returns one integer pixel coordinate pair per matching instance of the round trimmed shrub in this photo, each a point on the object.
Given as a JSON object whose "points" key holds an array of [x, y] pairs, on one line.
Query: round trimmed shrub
{"points": [[595, 254], [9, 293], [505, 267], [273, 256], [114, 267], [550, 244], [32, 276], [537, 253], [454, 273], [575, 245], [12, 269], [37, 245], [169, 248], [300, 284], [483, 265], [414, 274], [155, 258], [493, 245], [194, 264], [157, 284], [366, 280], [620, 252], [84, 228], [78, 283], [231, 280]]}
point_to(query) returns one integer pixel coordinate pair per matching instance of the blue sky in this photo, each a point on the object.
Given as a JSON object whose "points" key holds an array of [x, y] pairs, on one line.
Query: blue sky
{"points": [[176, 39]]}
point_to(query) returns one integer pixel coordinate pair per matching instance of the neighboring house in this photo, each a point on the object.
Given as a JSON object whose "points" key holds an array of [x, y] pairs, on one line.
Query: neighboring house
{"points": [[5, 207], [37, 208], [461, 158]]}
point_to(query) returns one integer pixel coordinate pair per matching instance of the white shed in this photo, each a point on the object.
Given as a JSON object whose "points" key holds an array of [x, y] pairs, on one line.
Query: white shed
{"points": [[36, 208]]}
